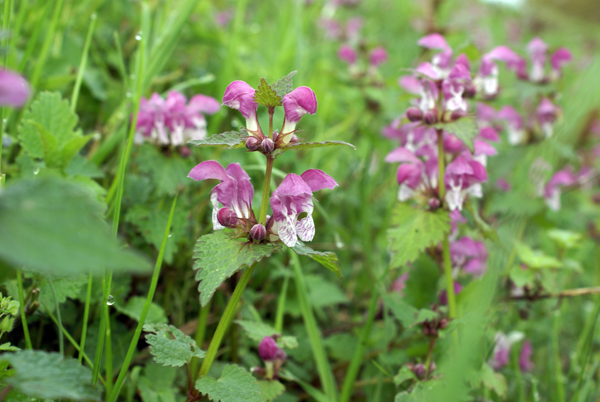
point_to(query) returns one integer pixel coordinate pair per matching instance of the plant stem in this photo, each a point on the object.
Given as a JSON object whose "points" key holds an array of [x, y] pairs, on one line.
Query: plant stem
{"points": [[108, 359], [86, 316], [200, 333], [5, 28], [445, 243], [429, 354], [351, 374], [560, 388], [225, 320], [264, 206], [22, 308], [281, 305], [41, 61], [314, 334], [82, 64], [61, 341], [145, 309]]}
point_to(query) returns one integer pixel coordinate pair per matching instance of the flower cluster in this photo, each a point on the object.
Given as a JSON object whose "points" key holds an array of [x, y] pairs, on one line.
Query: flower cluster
{"points": [[174, 120], [232, 197], [241, 96], [502, 347], [232, 203]]}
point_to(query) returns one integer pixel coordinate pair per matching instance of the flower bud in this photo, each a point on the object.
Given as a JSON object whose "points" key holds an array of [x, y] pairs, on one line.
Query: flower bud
{"points": [[258, 232], [434, 203], [268, 145], [470, 91], [419, 370], [252, 143], [430, 117], [227, 217], [185, 152], [457, 114], [378, 56], [414, 114], [267, 349]]}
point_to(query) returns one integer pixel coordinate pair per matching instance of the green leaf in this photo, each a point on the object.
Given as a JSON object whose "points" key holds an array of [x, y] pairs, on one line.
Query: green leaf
{"points": [[404, 374], [51, 113], [168, 174], [565, 238], [134, 307], [7, 347], [49, 146], [226, 140], [65, 288], [328, 259], [493, 381], [404, 312], [296, 146], [156, 383], [426, 315], [170, 346], [271, 389], [535, 258], [414, 230], [324, 293], [284, 86], [266, 96], [217, 257], [464, 128], [73, 146], [235, 385], [50, 376], [52, 226], [522, 277]]}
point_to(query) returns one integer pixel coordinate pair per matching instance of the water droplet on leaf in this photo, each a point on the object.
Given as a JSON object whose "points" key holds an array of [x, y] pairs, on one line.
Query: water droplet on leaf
{"points": [[110, 300], [138, 36], [36, 171]]}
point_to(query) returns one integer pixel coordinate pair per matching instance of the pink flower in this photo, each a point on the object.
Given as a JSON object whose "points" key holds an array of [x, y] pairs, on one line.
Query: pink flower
{"points": [[234, 192], [294, 197], [296, 104], [400, 283], [463, 176], [514, 122], [525, 362], [469, 255], [546, 115], [378, 56], [501, 353], [240, 96], [537, 51], [561, 57], [552, 190], [347, 54], [14, 89]]}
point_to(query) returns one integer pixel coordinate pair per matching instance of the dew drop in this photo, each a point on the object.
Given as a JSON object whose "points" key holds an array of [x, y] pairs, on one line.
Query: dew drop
{"points": [[170, 234], [110, 300], [138, 36], [5, 121], [36, 171]]}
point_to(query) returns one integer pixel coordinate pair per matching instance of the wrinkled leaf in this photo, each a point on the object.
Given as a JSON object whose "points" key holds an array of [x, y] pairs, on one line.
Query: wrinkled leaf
{"points": [[50, 225], [404, 374], [266, 96], [565, 238], [404, 312], [170, 346], [464, 128], [284, 86], [271, 389], [413, 230], [226, 140], [328, 259], [307, 145], [50, 376], [535, 258], [217, 257], [235, 385]]}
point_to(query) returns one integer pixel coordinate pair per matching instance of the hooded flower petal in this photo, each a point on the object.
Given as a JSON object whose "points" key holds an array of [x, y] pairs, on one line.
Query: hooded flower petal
{"points": [[434, 41], [378, 56], [235, 192], [204, 104], [347, 54], [293, 197], [240, 96], [296, 104]]}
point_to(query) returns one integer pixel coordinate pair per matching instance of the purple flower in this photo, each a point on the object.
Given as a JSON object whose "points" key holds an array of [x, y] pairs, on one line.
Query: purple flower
{"points": [[546, 115], [267, 349], [293, 197], [400, 283], [454, 86], [503, 184], [296, 104], [487, 77], [347, 54], [469, 255], [502, 346], [537, 51], [444, 294], [463, 176], [441, 62], [171, 120], [455, 218], [14, 89], [525, 362], [561, 57], [235, 191], [353, 27], [378, 56], [552, 190], [240, 96], [514, 122]]}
